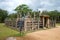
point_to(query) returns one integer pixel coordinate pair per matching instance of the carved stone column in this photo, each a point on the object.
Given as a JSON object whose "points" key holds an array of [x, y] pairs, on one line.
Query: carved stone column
{"points": [[48, 23], [43, 22]]}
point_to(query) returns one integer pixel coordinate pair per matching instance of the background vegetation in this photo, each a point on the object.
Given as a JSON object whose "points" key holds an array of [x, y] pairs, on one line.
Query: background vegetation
{"points": [[3, 15], [23, 9]]}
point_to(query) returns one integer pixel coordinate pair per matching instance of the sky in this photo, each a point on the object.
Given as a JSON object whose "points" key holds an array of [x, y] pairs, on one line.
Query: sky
{"points": [[41, 5]]}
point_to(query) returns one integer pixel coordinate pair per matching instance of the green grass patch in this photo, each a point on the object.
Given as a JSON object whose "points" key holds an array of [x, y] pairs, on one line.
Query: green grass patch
{"points": [[19, 34], [7, 32], [58, 24]]}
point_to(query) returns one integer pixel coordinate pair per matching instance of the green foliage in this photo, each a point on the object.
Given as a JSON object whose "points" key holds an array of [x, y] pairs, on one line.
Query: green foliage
{"points": [[19, 34], [12, 16], [45, 13], [3, 15], [54, 13], [36, 14], [23, 9]]}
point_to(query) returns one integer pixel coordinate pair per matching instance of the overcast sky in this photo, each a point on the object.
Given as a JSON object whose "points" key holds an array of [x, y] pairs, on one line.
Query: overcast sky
{"points": [[10, 5]]}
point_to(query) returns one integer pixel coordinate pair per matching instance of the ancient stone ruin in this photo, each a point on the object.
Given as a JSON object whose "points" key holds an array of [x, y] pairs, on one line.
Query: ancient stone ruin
{"points": [[28, 23]]}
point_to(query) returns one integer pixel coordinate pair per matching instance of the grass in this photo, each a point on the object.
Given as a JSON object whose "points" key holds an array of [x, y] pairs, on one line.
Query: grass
{"points": [[58, 24], [6, 32]]}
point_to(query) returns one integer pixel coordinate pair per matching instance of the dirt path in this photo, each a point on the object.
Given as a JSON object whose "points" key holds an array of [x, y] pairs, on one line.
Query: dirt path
{"points": [[50, 34]]}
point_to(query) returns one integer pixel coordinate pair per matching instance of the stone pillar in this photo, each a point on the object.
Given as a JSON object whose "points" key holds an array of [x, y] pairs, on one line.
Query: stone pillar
{"points": [[34, 16], [54, 23], [38, 23], [25, 24], [43, 21], [32, 24], [16, 23], [48, 23]]}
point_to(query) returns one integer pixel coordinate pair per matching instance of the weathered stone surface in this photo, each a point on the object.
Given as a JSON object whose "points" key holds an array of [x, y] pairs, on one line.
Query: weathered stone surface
{"points": [[11, 38]]}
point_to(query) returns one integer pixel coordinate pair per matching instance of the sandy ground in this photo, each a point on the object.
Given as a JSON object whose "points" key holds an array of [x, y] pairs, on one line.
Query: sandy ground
{"points": [[50, 34]]}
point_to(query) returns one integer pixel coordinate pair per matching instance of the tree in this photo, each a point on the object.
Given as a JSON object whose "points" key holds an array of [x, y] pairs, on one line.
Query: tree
{"points": [[23, 9], [12, 16], [3, 15], [44, 13]]}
